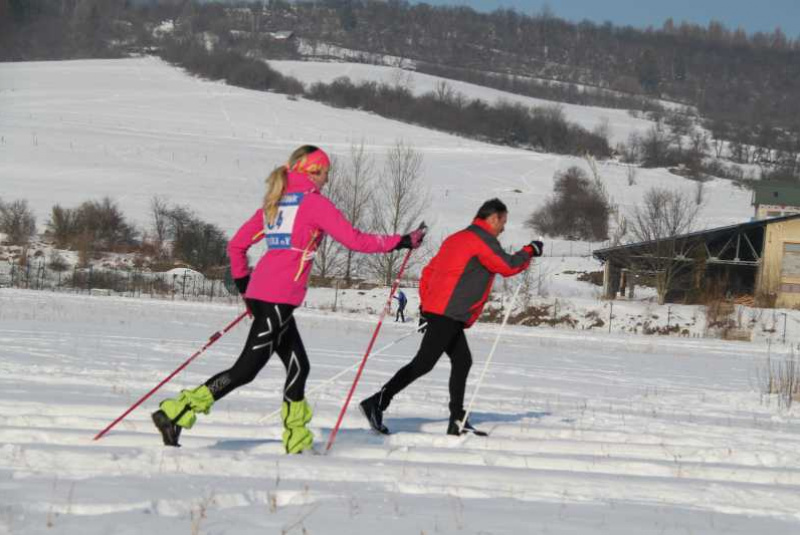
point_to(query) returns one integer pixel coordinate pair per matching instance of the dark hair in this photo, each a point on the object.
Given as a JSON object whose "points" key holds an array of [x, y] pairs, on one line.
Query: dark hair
{"points": [[490, 207]]}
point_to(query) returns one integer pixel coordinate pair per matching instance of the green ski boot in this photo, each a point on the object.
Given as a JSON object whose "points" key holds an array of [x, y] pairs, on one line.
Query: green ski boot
{"points": [[296, 437], [180, 412]]}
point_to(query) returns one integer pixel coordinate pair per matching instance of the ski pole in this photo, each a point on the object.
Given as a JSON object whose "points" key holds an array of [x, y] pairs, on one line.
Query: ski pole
{"points": [[386, 307], [322, 386], [214, 337], [489, 358]]}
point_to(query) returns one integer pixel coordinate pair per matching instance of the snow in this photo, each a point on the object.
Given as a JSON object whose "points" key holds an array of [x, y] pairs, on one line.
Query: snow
{"points": [[318, 49], [134, 128], [591, 431], [621, 124], [185, 272], [591, 434], [166, 27]]}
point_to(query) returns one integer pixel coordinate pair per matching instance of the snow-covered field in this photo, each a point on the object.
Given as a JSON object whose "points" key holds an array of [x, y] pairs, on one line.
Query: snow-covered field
{"points": [[619, 122], [592, 434], [134, 128]]}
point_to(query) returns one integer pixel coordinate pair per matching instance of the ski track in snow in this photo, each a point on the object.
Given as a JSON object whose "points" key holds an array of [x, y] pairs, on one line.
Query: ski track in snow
{"points": [[605, 434]]}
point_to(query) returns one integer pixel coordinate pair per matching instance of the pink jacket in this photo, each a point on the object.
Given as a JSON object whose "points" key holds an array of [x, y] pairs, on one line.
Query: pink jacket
{"points": [[304, 217]]}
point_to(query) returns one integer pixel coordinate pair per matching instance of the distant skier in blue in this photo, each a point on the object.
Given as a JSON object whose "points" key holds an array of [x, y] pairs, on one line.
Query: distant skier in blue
{"points": [[402, 301]]}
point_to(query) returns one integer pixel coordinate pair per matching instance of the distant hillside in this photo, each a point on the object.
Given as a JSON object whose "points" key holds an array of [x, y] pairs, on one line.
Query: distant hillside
{"points": [[744, 87]]}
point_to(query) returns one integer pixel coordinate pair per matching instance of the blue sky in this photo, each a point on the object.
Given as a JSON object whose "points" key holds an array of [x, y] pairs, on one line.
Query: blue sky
{"points": [[753, 16]]}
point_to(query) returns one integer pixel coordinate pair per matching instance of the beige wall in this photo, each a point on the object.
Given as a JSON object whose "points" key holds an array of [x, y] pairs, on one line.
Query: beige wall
{"points": [[770, 277]]}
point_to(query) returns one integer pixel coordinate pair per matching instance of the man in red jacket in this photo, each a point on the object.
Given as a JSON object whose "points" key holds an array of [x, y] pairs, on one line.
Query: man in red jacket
{"points": [[453, 289]]}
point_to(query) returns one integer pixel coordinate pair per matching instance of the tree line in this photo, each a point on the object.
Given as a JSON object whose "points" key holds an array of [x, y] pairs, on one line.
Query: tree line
{"points": [[743, 85], [176, 235]]}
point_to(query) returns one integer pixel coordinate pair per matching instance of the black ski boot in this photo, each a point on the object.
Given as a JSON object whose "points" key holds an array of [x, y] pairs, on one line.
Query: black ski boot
{"points": [[371, 409], [170, 431], [455, 423]]}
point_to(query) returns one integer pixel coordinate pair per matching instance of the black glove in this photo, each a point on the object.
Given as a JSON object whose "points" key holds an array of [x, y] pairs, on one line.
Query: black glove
{"points": [[241, 283], [538, 247], [422, 324], [413, 239]]}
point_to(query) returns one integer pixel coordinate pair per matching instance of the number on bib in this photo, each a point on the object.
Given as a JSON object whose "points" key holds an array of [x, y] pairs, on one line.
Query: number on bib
{"points": [[279, 234]]}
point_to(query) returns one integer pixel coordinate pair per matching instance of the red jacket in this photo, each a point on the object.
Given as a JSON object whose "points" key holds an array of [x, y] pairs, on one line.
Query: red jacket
{"points": [[456, 283]]}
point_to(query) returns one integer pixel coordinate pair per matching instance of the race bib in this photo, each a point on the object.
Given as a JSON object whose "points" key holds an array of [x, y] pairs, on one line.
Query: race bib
{"points": [[279, 234]]}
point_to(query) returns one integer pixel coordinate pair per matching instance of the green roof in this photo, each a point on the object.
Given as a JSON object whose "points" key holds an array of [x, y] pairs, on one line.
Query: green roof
{"points": [[773, 194]]}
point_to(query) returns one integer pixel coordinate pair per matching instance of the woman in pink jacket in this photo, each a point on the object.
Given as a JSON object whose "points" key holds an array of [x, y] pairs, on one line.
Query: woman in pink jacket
{"points": [[294, 219]]}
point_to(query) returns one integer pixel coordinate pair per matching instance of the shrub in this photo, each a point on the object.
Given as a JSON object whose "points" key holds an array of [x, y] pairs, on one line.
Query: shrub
{"points": [[92, 226], [230, 66], [656, 149], [544, 128], [61, 227], [57, 263], [578, 209], [195, 242], [782, 378], [17, 222]]}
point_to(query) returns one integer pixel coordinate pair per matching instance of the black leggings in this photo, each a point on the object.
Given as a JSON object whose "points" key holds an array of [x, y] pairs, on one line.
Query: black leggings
{"points": [[273, 329], [442, 335]]}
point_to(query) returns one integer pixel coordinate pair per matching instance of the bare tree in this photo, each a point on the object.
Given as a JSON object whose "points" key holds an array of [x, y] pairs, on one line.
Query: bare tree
{"points": [[658, 222], [603, 128], [698, 142], [159, 211], [632, 152], [357, 190], [398, 204], [62, 226], [620, 227], [444, 92], [402, 79], [630, 173], [195, 242], [17, 221], [699, 192], [680, 125]]}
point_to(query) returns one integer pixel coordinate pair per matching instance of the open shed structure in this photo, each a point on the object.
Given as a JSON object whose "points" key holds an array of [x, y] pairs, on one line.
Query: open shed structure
{"points": [[759, 258]]}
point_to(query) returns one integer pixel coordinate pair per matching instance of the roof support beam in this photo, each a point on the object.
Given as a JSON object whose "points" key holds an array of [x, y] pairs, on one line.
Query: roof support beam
{"points": [[738, 245], [753, 249], [725, 247]]}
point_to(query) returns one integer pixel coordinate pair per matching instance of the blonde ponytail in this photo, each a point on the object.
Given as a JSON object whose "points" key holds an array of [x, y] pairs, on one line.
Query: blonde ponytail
{"points": [[277, 180], [276, 187]]}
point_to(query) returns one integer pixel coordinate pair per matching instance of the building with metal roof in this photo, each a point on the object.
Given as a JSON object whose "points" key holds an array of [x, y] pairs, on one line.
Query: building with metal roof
{"points": [[771, 200], [759, 258]]}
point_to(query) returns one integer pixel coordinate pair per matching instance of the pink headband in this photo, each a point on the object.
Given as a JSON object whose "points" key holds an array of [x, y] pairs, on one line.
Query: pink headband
{"points": [[312, 163]]}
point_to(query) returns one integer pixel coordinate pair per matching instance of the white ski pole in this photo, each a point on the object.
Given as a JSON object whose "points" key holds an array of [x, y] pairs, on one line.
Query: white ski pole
{"points": [[323, 385], [489, 358]]}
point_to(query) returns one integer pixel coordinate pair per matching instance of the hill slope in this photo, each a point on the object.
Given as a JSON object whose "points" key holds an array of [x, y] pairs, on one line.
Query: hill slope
{"points": [[134, 128]]}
